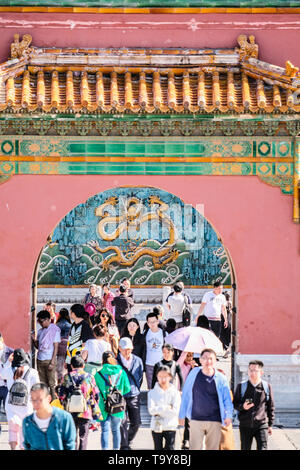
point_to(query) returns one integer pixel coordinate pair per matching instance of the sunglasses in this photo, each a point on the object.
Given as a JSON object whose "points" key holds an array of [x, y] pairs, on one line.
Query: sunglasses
{"points": [[103, 315]]}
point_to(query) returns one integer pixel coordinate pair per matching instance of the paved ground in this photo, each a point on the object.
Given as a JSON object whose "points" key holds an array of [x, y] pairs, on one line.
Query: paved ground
{"points": [[283, 437]]}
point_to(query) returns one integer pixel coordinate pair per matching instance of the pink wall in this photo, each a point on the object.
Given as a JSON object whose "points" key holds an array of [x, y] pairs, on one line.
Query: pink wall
{"points": [[276, 34], [254, 220], [257, 228]]}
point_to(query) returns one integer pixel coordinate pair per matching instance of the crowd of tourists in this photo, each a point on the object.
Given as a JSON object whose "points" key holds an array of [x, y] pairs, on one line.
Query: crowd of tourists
{"points": [[90, 365]]}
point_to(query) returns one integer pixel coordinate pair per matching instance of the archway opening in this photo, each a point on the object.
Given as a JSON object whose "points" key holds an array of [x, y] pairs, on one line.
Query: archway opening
{"points": [[143, 233]]}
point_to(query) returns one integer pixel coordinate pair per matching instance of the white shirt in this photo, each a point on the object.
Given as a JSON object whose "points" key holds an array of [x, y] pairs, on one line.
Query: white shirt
{"points": [[166, 404], [42, 423], [154, 343], [46, 354], [125, 362], [213, 307], [176, 303], [95, 349]]}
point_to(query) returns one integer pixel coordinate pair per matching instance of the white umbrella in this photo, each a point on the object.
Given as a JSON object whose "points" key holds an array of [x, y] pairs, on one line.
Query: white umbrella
{"points": [[194, 339]]}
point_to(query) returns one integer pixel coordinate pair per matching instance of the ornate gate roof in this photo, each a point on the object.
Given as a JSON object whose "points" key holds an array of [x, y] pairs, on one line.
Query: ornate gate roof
{"points": [[154, 81]]}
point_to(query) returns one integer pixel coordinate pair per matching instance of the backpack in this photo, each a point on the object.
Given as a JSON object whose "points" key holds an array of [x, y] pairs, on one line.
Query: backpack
{"points": [[187, 312], [76, 402], [264, 384], [18, 393], [114, 402]]}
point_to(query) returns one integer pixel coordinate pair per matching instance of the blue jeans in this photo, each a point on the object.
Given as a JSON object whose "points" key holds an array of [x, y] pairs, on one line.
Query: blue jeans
{"points": [[114, 423]]}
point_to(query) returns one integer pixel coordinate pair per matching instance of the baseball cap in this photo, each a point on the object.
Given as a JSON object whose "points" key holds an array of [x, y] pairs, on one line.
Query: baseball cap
{"points": [[125, 343]]}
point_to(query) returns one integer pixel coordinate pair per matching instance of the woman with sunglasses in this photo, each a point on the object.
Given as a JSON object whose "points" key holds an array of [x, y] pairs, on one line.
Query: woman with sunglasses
{"points": [[105, 318]]}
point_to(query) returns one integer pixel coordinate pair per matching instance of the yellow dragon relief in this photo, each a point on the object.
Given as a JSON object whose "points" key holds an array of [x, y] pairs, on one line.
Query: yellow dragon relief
{"points": [[132, 218]]}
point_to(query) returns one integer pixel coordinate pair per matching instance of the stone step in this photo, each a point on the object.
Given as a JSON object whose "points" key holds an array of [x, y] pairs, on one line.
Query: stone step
{"points": [[145, 416]]}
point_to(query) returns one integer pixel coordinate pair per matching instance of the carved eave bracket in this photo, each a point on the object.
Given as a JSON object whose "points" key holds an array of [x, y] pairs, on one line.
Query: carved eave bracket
{"points": [[4, 178], [285, 183]]}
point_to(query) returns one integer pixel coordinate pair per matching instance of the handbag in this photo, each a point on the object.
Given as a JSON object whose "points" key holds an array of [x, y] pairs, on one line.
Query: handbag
{"points": [[227, 438], [62, 347], [187, 312]]}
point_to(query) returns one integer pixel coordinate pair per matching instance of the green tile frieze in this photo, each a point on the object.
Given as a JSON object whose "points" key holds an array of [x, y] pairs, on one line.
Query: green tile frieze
{"points": [[272, 159], [129, 147]]}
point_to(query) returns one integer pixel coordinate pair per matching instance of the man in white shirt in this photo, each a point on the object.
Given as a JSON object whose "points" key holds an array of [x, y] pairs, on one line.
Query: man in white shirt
{"points": [[154, 341], [175, 303], [48, 339], [213, 305]]}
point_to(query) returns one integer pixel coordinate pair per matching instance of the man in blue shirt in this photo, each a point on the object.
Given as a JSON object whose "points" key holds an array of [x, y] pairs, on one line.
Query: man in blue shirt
{"points": [[48, 428], [206, 402]]}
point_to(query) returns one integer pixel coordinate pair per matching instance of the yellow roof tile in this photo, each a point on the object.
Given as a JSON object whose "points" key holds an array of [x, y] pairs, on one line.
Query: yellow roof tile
{"points": [[147, 80]]}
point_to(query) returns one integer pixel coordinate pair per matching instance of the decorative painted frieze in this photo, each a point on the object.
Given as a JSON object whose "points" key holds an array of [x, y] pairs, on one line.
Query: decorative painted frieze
{"points": [[145, 234], [225, 148], [151, 126]]}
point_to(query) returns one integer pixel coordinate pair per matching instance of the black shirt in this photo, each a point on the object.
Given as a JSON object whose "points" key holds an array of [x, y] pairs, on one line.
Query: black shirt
{"points": [[205, 399], [123, 305], [79, 334], [138, 342], [262, 413]]}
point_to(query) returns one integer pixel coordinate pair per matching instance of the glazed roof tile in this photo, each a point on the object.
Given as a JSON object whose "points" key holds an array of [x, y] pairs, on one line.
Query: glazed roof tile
{"points": [[145, 80]]}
